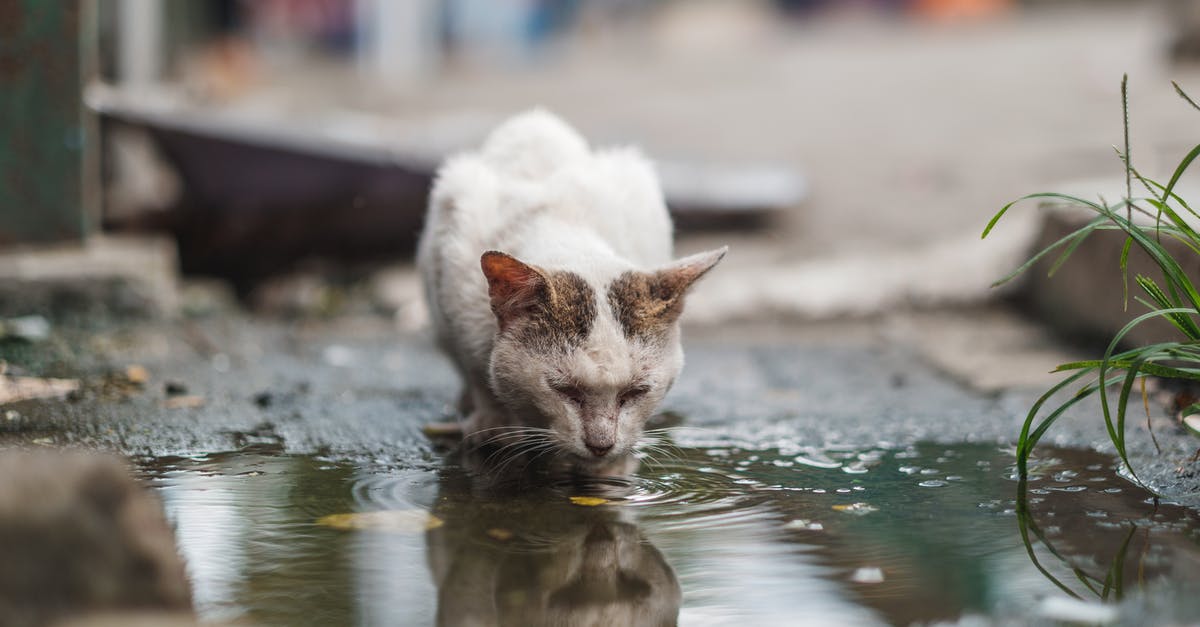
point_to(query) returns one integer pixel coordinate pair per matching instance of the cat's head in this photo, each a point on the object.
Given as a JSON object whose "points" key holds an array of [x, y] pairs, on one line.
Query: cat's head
{"points": [[589, 362]]}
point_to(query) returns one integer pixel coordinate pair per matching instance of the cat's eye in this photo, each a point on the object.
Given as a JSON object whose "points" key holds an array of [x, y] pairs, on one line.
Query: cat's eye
{"points": [[571, 393], [633, 393]]}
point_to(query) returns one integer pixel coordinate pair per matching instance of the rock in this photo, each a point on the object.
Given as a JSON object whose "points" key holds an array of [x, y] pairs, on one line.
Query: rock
{"points": [[1084, 300], [79, 536]]}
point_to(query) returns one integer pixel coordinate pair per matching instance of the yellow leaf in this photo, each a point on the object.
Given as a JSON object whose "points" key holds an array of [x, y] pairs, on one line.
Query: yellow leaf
{"points": [[503, 535], [405, 520], [137, 374], [588, 501]]}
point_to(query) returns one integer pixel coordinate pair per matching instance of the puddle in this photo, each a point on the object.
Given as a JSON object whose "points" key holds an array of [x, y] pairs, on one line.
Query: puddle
{"points": [[704, 536]]}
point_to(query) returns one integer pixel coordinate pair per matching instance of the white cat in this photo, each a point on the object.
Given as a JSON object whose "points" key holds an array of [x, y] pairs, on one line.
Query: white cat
{"points": [[548, 271]]}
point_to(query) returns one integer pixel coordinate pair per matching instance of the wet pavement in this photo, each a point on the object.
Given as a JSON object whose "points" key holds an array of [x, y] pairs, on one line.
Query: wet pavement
{"points": [[840, 472]]}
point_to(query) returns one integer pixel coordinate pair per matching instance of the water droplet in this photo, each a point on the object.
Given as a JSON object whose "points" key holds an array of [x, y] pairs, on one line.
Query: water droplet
{"points": [[858, 509], [932, 483], [1065, 476], [867, 575], [855, 468], [818, 462]]}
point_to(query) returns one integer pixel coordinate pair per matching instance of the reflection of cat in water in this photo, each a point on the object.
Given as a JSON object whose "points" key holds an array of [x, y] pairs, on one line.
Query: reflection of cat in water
{"points": [[530, 557]]}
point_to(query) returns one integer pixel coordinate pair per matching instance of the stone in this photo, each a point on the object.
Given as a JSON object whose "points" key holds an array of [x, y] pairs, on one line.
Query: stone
{"points": [[79, 535], [1085, 299]]}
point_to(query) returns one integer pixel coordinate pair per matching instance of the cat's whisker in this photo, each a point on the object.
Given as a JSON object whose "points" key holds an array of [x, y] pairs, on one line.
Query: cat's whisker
{"points": [[508, 433], [546, 448], [507, 446], [508, 452], [654, 448], [521, 449]]}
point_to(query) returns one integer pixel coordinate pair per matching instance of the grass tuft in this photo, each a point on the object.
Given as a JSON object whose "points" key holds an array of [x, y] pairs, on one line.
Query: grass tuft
{"points": [[1172, 296]]}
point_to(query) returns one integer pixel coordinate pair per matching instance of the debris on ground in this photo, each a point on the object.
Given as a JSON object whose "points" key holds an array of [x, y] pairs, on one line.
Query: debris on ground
{"points": [[137, 374], [184, 402], [13, 389]]}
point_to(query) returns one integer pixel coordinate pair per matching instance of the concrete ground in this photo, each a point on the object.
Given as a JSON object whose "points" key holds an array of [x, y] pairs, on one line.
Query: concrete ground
{"points": [[355, 386]]}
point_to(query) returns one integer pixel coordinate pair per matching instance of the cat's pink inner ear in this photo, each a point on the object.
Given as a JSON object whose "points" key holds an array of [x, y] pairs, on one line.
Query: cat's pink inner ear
{"points": [[513, 286]]}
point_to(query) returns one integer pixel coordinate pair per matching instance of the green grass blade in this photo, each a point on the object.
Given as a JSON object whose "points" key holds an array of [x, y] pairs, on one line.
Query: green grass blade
{"points": [[1025, 443], [1125, 124], [1183, 94], [1152, 369], [1183, 322], [1184, 164], [1116, 432], [1125, 272], [1071, 199], [1084, 230]]}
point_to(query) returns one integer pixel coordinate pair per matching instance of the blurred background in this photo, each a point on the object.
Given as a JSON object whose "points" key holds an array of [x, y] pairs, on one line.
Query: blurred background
{"points": [[849, 150]]}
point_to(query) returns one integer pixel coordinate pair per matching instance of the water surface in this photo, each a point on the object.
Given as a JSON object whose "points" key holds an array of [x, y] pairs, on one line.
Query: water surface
{"points": [[702, 536]]}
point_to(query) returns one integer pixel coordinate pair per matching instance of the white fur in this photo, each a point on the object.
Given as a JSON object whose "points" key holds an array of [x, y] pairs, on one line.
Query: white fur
{"points": [[536, 191]]}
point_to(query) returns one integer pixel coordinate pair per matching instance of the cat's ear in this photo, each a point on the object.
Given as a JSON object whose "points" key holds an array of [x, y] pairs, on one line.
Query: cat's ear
{"points": [[648, 303], [513, 286], [676, 278]]}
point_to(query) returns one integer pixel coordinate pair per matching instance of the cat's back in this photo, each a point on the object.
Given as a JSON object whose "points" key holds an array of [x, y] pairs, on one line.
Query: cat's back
{"points": [[535, 166]]}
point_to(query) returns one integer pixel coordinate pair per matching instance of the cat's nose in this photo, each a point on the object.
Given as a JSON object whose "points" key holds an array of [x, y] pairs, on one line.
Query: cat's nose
{"points": [[599, 451]]}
